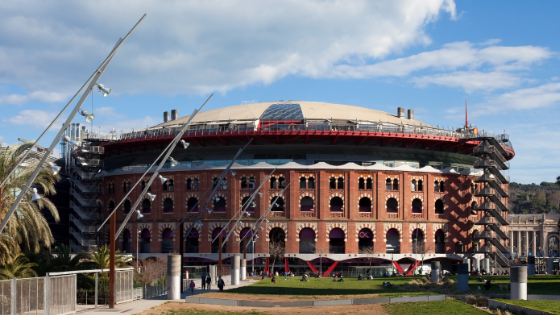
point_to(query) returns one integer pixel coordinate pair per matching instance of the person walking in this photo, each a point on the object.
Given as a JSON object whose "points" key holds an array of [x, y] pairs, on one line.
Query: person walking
{"points": [[221, 284], [192, 286], [208, 282], [203, 281]]}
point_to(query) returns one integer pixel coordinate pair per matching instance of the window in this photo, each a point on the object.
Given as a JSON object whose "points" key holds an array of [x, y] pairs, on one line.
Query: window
{"points": [[220, 204], [192, 183], [272, 183], [311, 183], [170, 184], [388, 185], [124, 187], [144, 186], [336, 241], [189, 184], [145, 240], [167, 241], [192, 204], [459, 247], [249, 183], [164, 186], [340, 183], [436, 186], [280, 183], [420, 185], [195, 184], [439, 206], [302, 183], [395, 184], [369, 183], [146, 206], [332, 183], [336, 204], [442, 186], [306, 204], [361, 184], [416, 206], [168, 205], [413, 185], [365, 204], [251, 207], [127, 205], [279, 205], [392, 205]]}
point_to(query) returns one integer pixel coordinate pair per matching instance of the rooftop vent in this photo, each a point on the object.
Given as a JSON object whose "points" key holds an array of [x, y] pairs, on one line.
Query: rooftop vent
{"points": [[165, 116], [410, 114], [400, 112], [174, 114]]}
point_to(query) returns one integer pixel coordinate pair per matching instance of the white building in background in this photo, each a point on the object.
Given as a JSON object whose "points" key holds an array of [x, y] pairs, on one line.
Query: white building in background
{"points": [[531, 234]]}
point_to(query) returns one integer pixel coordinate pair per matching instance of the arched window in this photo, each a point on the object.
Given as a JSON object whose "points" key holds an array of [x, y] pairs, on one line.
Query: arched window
{"points": [[307, 241], [272, 183], [439, 206], [442, 186], [417, 241], [124, 187], [459, 247], [392, 205], [192, 204], [413, 185], [336, 204], [361, 183], [311, 183], [247, 234], [277, 245], [395, 184], [164, 186], [281, 183], [440, 242], [189, 184], [302, 183], [436, 186], [111, 206], [279, 206], [388, 184], [245, 182], [369, 183], [340, 183], [146, 206], [306, 204], [216, 243], [145, 239], [220, 205], [168, 205], [126, 241], [250, 207], [365, 204], [167, 241], [393, 245], [336, 241], [170, 184], [416, 206], [126, 206], [332, 183], [191, 244], [195, 184], [365, 241], [420, 185]]}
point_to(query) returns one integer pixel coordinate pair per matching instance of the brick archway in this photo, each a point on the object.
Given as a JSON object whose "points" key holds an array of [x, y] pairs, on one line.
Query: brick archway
{"points": [[365, 225], [213, 226], [342, 226], [272, 225], [146, 226], [186, 227], [395, 226], [239, 228], [302, 225], [162, 227]]}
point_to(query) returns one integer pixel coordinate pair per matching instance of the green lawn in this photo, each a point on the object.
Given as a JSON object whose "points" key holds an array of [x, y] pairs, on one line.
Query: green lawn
{"points": [[325, 286], [447, 307], [535, 284], [539, 305]]}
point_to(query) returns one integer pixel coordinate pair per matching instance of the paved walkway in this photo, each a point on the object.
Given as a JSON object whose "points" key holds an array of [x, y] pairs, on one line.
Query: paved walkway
{"points": [[144, 304]]}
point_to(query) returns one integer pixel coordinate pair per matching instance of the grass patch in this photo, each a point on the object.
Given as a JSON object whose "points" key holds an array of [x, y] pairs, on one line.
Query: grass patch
{"points": [[448, 307], [549, 285], [539, 305]]}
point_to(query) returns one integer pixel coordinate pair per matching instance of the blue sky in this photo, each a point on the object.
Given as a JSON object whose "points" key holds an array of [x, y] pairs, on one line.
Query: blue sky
{"points": [[425, 55]]}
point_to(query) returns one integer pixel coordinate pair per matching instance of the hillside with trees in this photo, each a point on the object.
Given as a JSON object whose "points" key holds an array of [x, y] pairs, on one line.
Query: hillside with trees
{"points": [[533, 198]]}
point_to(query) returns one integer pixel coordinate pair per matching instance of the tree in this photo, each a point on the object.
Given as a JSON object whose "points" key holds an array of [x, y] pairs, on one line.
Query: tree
{"points": [[100, 259], [62, 259], [321, 250], [19, 267], [153, 269], [558, 181], [27, 228], [423, 250], [277, 246]]}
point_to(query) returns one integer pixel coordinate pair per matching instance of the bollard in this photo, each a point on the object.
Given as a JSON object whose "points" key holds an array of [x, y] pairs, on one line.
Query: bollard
{"points": [[518, 279], [486, 265], [435, 271], [213, 273], [549, 265], [475, 266], [235, 260], [243, 269], [173, 277], [467, 261], [531, 265], [463, 277]]}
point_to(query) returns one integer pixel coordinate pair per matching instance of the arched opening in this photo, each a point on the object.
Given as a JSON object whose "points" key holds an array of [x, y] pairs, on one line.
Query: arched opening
{"points": [[436, 186], [365, 241], [553, 246], [442, 186], [459, 247], [277, 245], [395, 184], [216, 243], [417, 241], [311, 183], [195, 184], [306, 204], [279, 205], [167, 241], [393, 245], [413, 185], [281, 183], [247, 234], [111, 206], [336, 241], [272, 183], [192, 204], [189, 184], [388, 184], [168, 205], [369, 183], [250, 207], [126, 241], [145, 240], [124, 187], [361, 184], [440, 242], [336, 204], [191, 244], [392, 205], [302, 183], [420, 185], [164, 186], [332, 183], [365, 204], [439, 206], [307, 241], [245, 182], [146, 206], [126, 206], [340, 183], [170, 184], [220, 205], [143, 184], [252, 183], [416, 206]]}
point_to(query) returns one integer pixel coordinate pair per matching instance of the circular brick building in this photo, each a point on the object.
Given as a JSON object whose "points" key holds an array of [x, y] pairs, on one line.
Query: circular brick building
{"points": [[366, 187]]}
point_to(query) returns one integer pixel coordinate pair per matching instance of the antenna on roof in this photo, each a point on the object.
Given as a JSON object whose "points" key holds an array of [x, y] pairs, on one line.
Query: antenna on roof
{"points": [[466, 114]]}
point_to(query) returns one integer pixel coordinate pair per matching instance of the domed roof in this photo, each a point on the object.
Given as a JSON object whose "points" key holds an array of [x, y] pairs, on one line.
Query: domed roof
{"points": [[294, 111]]}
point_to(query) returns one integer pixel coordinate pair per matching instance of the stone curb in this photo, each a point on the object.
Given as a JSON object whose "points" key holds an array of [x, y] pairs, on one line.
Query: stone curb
{"points": [[515, 308]]}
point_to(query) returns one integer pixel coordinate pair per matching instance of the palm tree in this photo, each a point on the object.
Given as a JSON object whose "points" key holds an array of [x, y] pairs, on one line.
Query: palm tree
{"points": [[20, 267], [100, 259], [63, 261], [27, 228]]}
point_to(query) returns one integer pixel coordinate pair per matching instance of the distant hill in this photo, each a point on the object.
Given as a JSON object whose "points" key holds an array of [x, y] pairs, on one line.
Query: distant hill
{"points": [[534, 198]]}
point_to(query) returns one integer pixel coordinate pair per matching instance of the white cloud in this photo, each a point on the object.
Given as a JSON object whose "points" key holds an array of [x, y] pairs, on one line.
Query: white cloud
{"points": [[41, 96], [201, 46], [107, 112], [471, 80], [37, 119], [522, 99]]}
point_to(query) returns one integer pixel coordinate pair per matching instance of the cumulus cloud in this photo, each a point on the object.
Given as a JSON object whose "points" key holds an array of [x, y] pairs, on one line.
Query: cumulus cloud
{"points": [[37, 119], [41, 96], [522, 99], [471, 80], [201, 46]]}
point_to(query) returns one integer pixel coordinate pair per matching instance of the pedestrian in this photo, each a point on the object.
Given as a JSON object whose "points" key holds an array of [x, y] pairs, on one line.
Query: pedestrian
{"points": [[203, 286], [208, 282], [192, 286], [221, 284]]}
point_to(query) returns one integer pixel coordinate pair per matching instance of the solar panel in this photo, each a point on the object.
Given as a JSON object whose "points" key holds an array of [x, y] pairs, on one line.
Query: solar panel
{"points": [[282, 112]]}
